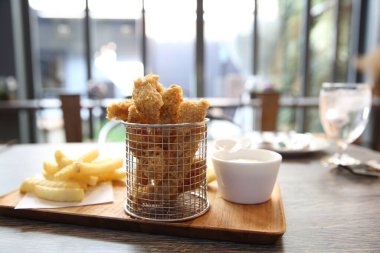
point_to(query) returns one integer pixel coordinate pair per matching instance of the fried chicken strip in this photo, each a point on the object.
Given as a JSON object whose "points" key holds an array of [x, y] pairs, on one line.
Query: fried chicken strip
{"points": [[192, 111], [147, 99], [172, 98], [119, 110], [188, 139], [167, 162], [134, 116], [153, 80], [138, 138], [175, 182]]}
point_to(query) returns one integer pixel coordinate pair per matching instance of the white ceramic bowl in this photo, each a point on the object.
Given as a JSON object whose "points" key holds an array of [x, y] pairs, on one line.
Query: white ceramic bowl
{"points": [[243, 181]]}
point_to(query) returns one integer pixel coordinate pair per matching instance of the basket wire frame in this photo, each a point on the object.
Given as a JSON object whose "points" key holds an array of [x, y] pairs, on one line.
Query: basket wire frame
{"points": [[166, 171]]}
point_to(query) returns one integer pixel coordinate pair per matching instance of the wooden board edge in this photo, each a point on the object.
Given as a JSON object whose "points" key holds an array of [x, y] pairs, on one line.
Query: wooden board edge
{"points": [[133, 225], [282, 210]]}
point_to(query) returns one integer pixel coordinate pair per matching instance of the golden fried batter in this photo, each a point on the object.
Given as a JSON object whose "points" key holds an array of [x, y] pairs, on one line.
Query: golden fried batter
{"points": [[148, 100], [172, 98], [187, 142], [192, 111], [167, 159], [119, 110], [137, 137], [153, 80], [134, 116], [179, 180]]}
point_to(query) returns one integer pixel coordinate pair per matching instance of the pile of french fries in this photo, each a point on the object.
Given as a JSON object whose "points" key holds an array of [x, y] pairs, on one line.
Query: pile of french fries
{"points": [[66, 180]]}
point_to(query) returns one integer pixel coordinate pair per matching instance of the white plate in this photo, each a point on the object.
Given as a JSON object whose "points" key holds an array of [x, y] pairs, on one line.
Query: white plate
{"points": [[288, 143], [285, 143]]}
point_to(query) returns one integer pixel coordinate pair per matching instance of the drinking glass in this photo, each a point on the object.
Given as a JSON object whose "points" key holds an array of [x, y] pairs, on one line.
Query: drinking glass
{"points": [[344, 109]]}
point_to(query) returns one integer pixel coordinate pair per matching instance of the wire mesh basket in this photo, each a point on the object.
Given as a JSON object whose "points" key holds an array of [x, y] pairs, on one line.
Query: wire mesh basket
{"points": [[166, 171]]}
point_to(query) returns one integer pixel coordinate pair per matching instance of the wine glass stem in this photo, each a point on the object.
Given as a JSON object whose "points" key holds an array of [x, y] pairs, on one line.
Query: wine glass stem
{"points": [[341, 147]]}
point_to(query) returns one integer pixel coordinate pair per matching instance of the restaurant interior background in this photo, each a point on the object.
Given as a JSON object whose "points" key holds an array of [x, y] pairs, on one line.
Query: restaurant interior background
{"points": [[96, 48]]}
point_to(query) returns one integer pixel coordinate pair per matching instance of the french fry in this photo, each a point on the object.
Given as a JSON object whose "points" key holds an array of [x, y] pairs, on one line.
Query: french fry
{"points": [[66, 172], [92, 180], [67, 179], [61, 159], [81, 178], [99, 168], [47, 175], [103, 160], [82, 184], [50, 167], [89, 156], [29, 184], [59, 194], [49, 170], [85, 179], [118, 174]]}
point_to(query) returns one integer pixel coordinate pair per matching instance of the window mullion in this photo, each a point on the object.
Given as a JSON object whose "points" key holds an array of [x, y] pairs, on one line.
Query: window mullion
{"points": [[255, 41], [199, 50], [334, 74], [304, 65], [143, 38], [87, 41]]}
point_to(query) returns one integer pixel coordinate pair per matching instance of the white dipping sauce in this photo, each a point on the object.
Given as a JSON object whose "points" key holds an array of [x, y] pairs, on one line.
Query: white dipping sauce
{"points": [[243, 160]]}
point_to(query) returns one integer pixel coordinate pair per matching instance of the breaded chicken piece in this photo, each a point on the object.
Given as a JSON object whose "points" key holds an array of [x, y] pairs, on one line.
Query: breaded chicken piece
{"points": [[148, 100], [167, 163], [119, 110], [137, 137], [188, 138], [153, 80], [167, 188], [172, 98], [134, 116], [192, 111]]}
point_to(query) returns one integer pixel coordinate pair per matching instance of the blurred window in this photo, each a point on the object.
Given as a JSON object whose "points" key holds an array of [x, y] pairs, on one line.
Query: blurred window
{"points": [[116, 47], [228, 46], [136, 37], [170, 34], [57, 41], [279, 40], [323, 66]]}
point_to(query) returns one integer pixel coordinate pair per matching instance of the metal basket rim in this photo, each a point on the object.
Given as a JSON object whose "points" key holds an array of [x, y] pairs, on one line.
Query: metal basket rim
{"points": [[132, 213], [126, 123]]}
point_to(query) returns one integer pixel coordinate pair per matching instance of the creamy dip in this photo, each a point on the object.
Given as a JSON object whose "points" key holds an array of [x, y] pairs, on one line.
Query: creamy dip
{"points": [[243, 160]]}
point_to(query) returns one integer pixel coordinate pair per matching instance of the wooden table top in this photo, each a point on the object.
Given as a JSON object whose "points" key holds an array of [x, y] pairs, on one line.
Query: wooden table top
{"points": [[326, 211]]}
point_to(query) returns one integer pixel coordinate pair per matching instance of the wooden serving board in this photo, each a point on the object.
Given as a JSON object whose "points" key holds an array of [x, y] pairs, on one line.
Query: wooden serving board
{"points": [[262, 223]]}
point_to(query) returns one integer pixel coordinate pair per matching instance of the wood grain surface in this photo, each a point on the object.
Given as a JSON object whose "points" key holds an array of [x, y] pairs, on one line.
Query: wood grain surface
{"points": [[326, 210], [262, 223]]}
